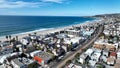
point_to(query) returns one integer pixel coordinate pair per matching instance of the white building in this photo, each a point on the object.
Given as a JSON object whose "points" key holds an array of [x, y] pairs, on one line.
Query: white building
{"points": [[89, 52], [24, 41], [32, 54], [95, 56], [73, 40], [73, 32], [65, 48], [111, 61], [88, 32], [105, 53], [118, 54], [73, 65], [92, 63], [106, 32], [116, 45], [82, 58]]}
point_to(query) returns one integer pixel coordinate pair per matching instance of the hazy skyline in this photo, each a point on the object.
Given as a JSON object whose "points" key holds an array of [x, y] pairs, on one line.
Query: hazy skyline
{"points": [[59, 7]]}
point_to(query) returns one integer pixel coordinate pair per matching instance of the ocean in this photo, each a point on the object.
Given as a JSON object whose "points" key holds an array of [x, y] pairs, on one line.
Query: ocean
{"points": [[19, 24]]}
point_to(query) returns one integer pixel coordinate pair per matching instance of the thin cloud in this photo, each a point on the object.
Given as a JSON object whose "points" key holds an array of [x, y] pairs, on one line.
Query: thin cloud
{"points": [[18, 4], [55, 1], [21, 4]]}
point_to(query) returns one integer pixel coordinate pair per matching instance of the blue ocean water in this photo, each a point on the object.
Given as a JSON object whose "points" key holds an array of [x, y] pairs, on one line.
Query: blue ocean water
{"points": [[18, 24]]}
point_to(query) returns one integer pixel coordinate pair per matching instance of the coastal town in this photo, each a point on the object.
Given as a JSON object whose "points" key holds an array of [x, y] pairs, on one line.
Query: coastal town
{"points": [[95, 44]]}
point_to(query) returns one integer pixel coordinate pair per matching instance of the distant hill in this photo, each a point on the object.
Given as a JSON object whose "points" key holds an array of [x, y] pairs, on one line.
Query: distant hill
{"points": [[107, 15]]}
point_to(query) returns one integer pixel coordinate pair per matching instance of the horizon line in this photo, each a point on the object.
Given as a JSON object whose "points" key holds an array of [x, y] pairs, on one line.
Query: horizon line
{"points": [[62, 15]]}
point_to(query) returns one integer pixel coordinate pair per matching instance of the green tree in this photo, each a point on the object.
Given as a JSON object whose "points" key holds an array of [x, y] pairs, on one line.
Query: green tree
{"points": [[77, 55], [33, 65], [117, 37], [99, 66], [68, 62]]}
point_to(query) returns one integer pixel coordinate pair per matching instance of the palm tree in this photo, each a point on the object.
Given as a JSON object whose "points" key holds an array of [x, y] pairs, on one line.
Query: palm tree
{"points": [[17, 38], [10, 37], [70, 46], [6, 37], [35, 33], [29, 34]]}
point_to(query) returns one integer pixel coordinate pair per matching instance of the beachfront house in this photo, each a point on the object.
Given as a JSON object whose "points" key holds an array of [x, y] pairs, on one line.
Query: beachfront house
{"points": [[72, 32], [5, 44], [61, 36], [6, 47]]}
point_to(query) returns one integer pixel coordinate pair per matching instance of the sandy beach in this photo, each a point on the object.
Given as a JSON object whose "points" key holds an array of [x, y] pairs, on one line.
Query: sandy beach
{"points": [[43, 32]]}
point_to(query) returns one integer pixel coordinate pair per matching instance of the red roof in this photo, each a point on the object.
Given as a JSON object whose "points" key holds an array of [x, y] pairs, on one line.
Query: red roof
{"points": [[113, 54], [38, 59]]}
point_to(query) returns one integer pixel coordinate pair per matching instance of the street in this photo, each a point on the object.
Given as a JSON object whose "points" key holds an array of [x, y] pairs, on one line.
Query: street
{"points": [[71, 55]]}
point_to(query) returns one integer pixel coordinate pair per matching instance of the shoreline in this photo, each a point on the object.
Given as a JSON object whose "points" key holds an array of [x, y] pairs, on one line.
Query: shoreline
{"points": [[48, 30]]}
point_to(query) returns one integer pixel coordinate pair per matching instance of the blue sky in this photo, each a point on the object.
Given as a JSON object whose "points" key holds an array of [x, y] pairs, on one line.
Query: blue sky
{"points": [[59, 7]]}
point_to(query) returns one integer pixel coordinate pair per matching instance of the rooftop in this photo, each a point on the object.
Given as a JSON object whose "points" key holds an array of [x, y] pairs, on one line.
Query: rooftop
{"points": [[113, 54], [111, 60], [89, 52], [72, 30], [75, 65], [92, 62], [17, 61], [83, 56], [22, 61], [41, 54], [44, 55]]}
